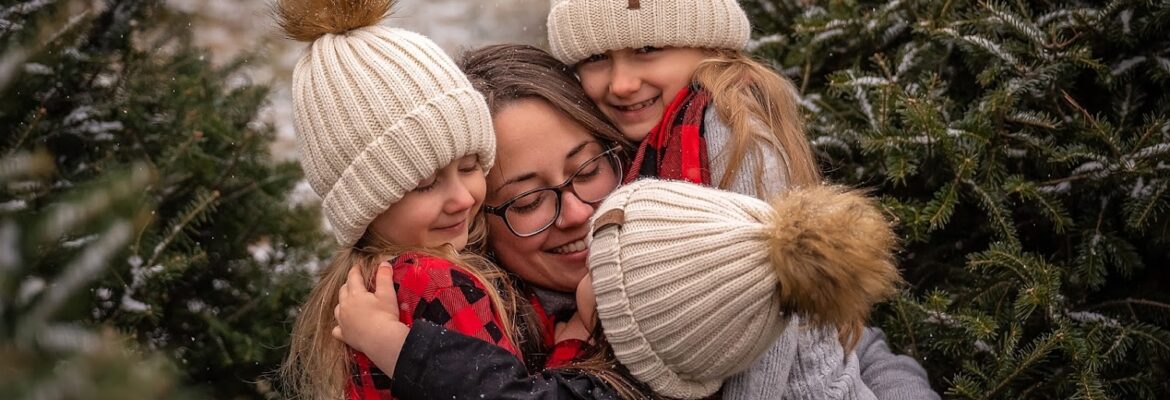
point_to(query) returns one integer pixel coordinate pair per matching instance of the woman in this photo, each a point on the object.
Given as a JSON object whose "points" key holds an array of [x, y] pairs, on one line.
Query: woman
{"points": [[547, 130]]}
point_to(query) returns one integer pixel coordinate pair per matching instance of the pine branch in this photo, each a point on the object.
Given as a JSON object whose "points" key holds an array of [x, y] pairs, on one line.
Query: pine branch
{"points": [[82, 270], [1005, 227], [1037, 353], [202, 203], [1147, 206], [1015, 22], [65, 216], [1129, 302]]}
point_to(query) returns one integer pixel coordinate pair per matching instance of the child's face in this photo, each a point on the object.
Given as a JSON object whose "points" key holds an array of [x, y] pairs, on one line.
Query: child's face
{"points": [[438, 211], [633, 87]]}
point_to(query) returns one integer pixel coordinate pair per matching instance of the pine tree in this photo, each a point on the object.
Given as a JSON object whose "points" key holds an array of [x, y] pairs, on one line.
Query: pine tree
{"points": [[1024, 148], [154, 211]]}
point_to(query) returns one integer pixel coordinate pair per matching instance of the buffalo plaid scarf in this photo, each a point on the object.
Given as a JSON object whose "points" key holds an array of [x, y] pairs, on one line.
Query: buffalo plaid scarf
{"points": [[675, 148]]}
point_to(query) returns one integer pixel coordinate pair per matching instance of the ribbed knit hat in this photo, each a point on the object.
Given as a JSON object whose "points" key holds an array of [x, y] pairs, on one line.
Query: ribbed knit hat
{"points": [[377, 109], [580, 28], [693, 284]]}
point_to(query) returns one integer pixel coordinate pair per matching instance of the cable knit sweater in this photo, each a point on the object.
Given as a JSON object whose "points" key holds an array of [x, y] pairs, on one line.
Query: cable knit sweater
{"points": [[805, 363]]}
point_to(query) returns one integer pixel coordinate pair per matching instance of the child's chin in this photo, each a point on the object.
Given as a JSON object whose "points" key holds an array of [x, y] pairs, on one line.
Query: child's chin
{"points": [[457, 244], [635, 133]]}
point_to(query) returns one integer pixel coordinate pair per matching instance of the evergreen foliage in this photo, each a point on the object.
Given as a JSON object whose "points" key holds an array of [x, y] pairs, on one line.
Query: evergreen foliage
{"points": [[140, 202], [1024, 148]]}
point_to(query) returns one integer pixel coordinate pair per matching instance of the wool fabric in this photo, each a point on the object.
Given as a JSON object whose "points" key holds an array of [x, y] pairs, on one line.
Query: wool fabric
{"points": [[685, 291], [378, 110], [580, 28]]}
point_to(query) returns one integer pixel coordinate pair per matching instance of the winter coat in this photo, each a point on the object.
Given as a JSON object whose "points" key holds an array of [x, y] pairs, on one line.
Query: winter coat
{"points": [[435, 290]]}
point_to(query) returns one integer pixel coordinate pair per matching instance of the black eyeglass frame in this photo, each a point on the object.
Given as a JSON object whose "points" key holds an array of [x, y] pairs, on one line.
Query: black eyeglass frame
{"points": [[502, 209]]}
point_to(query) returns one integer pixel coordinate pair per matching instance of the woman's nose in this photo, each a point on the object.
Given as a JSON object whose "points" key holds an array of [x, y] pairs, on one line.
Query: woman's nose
{"points": [[574, 212]]}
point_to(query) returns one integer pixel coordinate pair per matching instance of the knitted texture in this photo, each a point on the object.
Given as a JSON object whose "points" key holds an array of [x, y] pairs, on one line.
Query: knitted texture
{"points": [[580, 28], [377, 110], [685, 292], [694, 283], [804, 363]]}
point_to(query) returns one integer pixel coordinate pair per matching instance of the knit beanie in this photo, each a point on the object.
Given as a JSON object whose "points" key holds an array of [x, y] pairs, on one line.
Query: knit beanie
{"points": [[377, 109], [693, 284], [580, 28]]}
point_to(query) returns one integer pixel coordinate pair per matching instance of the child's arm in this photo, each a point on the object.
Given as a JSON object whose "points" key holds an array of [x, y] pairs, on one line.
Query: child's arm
{"points": [[369, 322], [823, 371], [435, 364], [803, 364], [428, 288], [429, 361], [891, 376]]}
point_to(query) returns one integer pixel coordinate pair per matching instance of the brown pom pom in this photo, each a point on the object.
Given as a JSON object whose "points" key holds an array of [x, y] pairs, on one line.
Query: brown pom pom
{"points": [[307, 20], [833, 253]]}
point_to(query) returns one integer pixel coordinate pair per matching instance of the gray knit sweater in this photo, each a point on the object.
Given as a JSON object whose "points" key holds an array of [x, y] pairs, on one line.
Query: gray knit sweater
{"points": [[810, 363]]}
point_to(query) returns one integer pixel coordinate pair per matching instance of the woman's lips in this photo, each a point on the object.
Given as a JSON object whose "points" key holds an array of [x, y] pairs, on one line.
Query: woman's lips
{"points": [[572, 247]]}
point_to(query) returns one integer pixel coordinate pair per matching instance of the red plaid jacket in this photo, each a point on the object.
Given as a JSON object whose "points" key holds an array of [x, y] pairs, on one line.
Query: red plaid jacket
{"points": [[435, 290]]}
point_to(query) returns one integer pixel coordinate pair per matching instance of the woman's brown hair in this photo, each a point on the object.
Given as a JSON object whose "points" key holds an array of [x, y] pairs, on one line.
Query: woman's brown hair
{"points": [[508, 73]]}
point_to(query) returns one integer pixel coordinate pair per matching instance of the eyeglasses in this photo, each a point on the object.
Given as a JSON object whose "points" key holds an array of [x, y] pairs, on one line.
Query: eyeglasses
{"points": [[532, 212]]}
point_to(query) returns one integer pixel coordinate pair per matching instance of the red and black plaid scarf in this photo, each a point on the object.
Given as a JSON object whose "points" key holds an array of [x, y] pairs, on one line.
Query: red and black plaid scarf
{"points": [[675, 148]]}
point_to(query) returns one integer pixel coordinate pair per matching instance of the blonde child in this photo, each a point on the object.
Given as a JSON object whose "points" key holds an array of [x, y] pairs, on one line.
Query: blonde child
{"points": [[673, 76], [396, 142]]}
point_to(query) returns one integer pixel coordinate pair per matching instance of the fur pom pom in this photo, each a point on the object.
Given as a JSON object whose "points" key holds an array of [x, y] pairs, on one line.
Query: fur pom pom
{"points": [[307, 20], [833, 253]]}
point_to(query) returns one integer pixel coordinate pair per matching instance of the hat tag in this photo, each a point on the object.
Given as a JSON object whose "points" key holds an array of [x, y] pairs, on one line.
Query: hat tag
{"points": [[615, 217], [634, 5]]}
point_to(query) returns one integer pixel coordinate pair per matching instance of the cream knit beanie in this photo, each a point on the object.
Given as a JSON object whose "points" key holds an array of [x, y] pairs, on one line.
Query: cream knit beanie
{"points": [[377, 109], [580, 28], [693, 283]]}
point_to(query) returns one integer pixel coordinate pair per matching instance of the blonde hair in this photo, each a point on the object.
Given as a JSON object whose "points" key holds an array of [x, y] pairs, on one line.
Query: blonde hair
{"points": [[748, 95], [317, 364]]}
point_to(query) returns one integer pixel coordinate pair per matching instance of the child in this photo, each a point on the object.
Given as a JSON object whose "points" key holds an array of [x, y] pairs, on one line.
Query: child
{"points": [[692, 284], [672, 75], [396, 142]]}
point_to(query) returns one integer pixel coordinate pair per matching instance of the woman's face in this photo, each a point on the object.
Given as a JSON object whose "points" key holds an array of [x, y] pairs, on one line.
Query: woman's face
{"points": [[538, 146]]}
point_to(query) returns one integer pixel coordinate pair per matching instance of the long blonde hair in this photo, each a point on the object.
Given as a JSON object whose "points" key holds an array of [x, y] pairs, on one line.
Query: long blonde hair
{"points": [[748, 96], [317, 364]]}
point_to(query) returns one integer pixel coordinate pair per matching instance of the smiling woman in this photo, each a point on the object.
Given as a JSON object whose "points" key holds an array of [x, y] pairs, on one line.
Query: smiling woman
{"points": [[541, 206]]}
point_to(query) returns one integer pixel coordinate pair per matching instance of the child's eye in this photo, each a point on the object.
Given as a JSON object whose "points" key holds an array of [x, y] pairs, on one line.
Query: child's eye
{"points": [[425, 186], [592, 59], [466, 169], [647, 49]]}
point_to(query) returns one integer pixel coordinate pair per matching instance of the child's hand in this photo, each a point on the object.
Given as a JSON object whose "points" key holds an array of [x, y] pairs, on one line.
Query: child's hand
{"points": [[580, 325], [368, 322]]}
